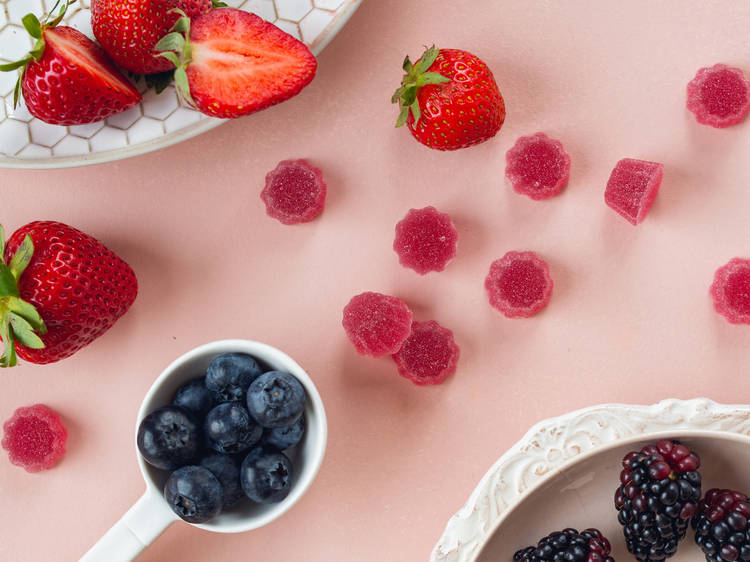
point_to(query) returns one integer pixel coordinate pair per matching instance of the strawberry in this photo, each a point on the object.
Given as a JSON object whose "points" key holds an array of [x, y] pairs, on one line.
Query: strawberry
{"points": [[60, 289], [232, 63], [449, 100], [129, 29], [66, 78]]}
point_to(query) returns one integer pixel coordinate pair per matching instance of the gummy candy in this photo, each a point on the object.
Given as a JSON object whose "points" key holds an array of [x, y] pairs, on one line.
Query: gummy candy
{"points": [[537, 166], [731, 291], [34, 438], [426, 240], [719, 96], [377, 324], [428, 355], [632, 188], [295, 192], [519, 284]]}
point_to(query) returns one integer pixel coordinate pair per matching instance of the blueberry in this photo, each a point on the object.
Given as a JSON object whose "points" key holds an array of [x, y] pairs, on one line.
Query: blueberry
{"points": [[230, 374], [266, 475], [227, 470], [276, 399], [230, 429], [169, 438], [195, 397], [194, 493], [287, 436]]}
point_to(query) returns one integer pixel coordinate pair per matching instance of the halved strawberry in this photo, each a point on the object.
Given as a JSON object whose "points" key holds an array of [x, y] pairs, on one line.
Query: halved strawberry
{"points": [[67, 79], [232, 63]]}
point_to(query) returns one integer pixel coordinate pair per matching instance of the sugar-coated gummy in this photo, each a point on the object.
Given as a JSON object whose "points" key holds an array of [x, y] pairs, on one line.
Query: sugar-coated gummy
{"points": [[34, 438], [377, 324], [428, 355], [519, 284], [425, 240], [537, 166], [731, 291], [719, 96], [295, 192], [632, 188]]}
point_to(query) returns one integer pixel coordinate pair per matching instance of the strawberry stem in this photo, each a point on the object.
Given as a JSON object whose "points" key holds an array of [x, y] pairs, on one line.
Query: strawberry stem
{"points": [[415, 77], [19, 320], [177, 49]]}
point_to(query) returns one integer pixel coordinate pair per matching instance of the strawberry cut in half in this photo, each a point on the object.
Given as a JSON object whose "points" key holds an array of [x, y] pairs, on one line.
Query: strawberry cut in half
{"points": [[60, 289], [66, 79], [232, 63]]}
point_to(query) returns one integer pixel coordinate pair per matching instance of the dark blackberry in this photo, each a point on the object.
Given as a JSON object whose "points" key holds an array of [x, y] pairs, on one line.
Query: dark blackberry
{"points": [[658, 496], [721, 526], [568, 546]]}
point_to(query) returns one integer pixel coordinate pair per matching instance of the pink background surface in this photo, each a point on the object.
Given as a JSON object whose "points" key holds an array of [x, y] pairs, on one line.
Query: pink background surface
{"points": [[630, 319]]}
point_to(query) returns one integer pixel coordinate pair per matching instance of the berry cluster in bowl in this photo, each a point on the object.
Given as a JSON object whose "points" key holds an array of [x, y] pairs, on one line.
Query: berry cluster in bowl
{"points": [[658, 501], [227, 437]]}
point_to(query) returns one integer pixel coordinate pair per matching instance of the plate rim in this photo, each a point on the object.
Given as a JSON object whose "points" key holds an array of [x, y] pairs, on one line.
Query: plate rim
{"points": [[530, 462], [186, 133]]}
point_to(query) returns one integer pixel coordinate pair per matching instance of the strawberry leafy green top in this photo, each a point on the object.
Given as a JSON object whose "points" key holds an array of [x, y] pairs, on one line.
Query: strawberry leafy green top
{"points": [[19, 320], [416, 76]]}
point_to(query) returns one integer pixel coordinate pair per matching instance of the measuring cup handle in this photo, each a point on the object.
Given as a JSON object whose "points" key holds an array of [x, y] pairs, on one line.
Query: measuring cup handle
{"points": [[140, 525]]}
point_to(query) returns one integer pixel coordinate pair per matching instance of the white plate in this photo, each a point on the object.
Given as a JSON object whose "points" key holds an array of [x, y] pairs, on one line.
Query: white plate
{"points": [[160, 120], [479, 531]]}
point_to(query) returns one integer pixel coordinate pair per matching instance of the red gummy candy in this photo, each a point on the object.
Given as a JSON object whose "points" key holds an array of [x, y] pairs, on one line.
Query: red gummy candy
{"points": [[426, 240], [377, 324], [731, 291], [519, 284], [295, 192], [537, 166], [719, 96], [428, 355], [34, 438], [632, 188]]}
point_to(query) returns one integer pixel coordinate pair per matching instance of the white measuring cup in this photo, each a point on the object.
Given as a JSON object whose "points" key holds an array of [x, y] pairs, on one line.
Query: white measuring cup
{"points": [[151, 514]]}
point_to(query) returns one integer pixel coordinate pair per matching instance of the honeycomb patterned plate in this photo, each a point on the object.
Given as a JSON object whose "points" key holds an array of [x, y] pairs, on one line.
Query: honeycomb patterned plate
{"points": [[160, 120]]}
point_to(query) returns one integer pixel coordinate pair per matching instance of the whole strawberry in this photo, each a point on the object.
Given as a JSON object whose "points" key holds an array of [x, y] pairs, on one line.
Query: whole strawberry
{"points": [[129, 29], [449, 100], [232, 63], [66, 78], [60, 289]]}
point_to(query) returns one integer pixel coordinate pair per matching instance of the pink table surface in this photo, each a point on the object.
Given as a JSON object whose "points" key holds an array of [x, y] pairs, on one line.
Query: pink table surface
{"points": [[630, 319]]}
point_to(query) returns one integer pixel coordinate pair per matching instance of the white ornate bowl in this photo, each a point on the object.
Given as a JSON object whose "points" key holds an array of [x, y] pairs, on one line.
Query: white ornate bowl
{"points": [[160, 120], [564, 473]]}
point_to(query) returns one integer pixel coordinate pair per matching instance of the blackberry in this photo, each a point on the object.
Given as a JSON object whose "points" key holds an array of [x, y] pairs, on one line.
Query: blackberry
{"points": [[721, 526], [658, 496], [568, 546]]}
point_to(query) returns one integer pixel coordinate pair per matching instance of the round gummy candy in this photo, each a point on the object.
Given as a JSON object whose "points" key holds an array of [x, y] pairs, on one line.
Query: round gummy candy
{"points": [[731, 291], [537, 166], [519, 284], [295, 192], [377, 324], [425, 240], [719, 96], [632, 188], [428, 355], [34, 438]]}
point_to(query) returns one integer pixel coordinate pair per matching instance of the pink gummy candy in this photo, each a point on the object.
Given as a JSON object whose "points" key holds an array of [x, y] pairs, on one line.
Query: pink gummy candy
{"points": [[377, 324], [719, 96], [34, 438], [731, 291], [428, 355], [632, 188], [519, 284], [426, 240], [295, 192], [537, 166]]}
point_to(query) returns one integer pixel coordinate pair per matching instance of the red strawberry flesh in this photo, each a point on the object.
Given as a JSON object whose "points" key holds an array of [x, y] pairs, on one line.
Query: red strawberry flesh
{"points": [[241, 63]]}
